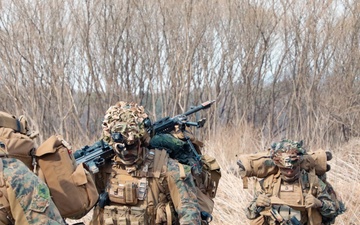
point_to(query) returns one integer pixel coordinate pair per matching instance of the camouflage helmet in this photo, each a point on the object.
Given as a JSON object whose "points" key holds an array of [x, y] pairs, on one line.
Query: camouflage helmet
{"points": [[124, 123], [287, 153]]}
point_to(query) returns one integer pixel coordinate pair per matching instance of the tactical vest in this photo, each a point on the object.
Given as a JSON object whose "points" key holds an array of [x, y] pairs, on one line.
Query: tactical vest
{"points": [[289, 198], [139, 195]]}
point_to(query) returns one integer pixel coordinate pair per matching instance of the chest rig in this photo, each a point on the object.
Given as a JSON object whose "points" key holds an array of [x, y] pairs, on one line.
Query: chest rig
{"points": [[288, 198], [137, 194]]}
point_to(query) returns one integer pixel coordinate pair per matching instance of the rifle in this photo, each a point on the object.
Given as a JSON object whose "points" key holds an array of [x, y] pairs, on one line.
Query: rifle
{"points": [[97, 154], [277, 217], [94, 156], [166, 125]]}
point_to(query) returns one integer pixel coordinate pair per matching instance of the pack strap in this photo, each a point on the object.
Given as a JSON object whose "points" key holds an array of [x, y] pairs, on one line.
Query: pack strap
{"points": [[313, 214], [245, 181], [2, 182], [182, 171], [168, 214], [159, 160], [6, 120]]}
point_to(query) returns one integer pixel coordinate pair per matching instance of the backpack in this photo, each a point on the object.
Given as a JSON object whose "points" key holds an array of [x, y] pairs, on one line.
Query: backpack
{"points": [[17, 140], [72, 188], [260, 165], [54, 157]]}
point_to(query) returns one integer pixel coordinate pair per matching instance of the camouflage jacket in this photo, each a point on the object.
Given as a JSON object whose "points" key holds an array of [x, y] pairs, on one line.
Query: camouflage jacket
{"points": [[271, 185], [155, 191], [24, 197]]}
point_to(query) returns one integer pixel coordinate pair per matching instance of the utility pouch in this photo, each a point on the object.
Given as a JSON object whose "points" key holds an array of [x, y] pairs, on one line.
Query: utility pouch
{"points": [[137, 216], [123, 193], [71, 186], [116, 215], [212, 174]]}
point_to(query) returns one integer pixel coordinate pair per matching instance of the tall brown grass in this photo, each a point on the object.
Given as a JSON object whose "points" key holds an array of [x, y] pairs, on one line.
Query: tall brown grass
{"points": [[232, 198]]}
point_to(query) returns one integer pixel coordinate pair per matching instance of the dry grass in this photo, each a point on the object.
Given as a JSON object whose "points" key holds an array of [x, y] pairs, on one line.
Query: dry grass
{"points": [[232, 198]]}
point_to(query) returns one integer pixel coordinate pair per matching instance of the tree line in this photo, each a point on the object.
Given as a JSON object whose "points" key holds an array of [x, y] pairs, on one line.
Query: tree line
{"points": [[286, 68]]}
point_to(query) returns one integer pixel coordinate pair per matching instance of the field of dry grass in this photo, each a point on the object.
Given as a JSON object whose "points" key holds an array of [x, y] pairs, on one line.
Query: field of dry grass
{"points": [[232, 198]]}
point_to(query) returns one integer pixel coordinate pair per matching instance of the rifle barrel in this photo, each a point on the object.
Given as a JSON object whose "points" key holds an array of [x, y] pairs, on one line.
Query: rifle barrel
{"points": [[203, 105]]}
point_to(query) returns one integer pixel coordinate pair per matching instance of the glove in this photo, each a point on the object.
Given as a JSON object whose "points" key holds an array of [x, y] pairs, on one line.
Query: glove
{"points": [[312, 202], [263, 200]]}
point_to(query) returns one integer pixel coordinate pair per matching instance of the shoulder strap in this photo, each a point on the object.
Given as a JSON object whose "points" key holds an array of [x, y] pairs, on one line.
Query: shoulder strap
{"points": [[182, 171], [314, 215], [271, 184], [313, 181], [2, 181], [160, 159]]}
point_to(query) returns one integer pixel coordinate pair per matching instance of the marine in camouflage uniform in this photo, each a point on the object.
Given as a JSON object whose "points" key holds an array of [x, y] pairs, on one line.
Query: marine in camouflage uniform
{"points": [[141, 186], [292, 194], [24, 198]]}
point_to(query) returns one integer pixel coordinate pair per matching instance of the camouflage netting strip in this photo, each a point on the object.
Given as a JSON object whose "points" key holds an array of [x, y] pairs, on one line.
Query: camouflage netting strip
{"points": [[124, 118]]}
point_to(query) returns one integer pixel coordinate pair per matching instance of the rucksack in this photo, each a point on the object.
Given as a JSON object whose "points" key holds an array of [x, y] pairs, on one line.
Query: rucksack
{"points": [[72, 188], [17, 139], [260, 165]]}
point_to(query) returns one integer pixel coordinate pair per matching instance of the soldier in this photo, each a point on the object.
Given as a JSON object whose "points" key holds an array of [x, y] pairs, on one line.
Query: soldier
{"points": [[292, 195], [25, 199], [141, 185]]}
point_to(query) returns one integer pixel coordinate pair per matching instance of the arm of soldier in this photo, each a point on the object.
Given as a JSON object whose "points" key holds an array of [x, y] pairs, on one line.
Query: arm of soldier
{"points": [[183, 193], [29, 197], [259, 200], [328, 208], [251, 209]]}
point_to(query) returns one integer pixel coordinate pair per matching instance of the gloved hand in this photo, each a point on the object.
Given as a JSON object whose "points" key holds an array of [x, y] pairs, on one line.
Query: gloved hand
{"points": [[263, 200], [312, 202]]}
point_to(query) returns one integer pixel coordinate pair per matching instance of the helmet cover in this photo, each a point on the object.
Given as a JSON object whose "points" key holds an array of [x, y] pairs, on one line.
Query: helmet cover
{"points": [[123, 123], [287, 153]]}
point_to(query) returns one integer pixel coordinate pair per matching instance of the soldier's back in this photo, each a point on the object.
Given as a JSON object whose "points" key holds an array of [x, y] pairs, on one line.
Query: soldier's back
{"points": [[25, 198]]}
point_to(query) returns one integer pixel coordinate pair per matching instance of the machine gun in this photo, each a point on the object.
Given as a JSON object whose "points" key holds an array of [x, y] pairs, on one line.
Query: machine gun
{"points": [[166, 125], [97, 154]]}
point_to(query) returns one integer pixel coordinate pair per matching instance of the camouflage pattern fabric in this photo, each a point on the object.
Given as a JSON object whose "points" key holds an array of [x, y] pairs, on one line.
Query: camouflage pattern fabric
{"points": [[287, 153], [177, 149], [126, 119], [328, 209], [183, 194], [287, 145], [32, 202]]}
